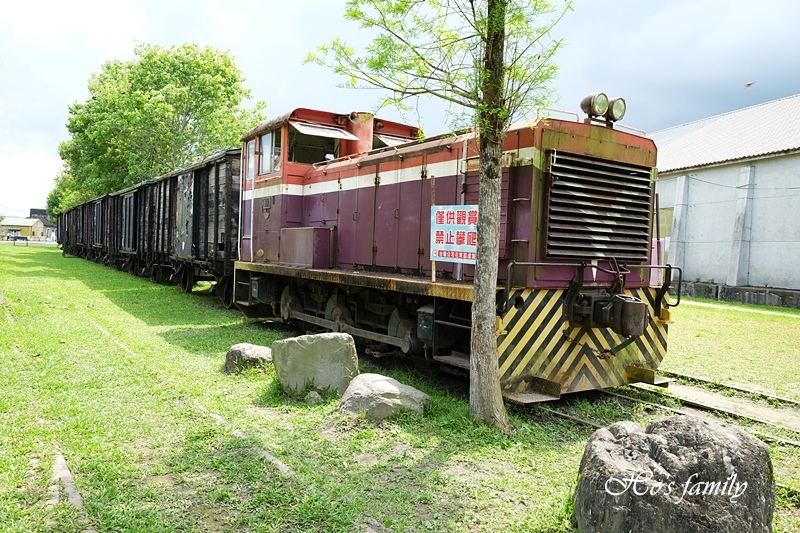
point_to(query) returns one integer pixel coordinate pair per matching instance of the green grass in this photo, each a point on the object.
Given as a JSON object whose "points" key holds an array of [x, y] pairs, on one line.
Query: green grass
{"points": [[112, 369], [115, 372], [755, 346], [760, 309]]}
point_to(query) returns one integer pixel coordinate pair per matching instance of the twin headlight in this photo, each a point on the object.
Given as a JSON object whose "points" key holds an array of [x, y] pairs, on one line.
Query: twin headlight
{"points": [[599, 105]]}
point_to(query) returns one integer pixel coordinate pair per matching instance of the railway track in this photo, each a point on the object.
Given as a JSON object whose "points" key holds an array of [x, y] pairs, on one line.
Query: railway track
{"points": [[743, 390], [786, 492], [733, 401], [766, 437], [560, 410]]}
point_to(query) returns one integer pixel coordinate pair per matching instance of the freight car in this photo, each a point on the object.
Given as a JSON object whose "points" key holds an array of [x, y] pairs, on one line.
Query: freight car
{"points": [[181, 226], [348, 223]]}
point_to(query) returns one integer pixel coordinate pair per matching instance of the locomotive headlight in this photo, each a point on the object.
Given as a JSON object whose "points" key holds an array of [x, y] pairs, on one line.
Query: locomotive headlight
{"points": [[595, 105], [616, 109]]}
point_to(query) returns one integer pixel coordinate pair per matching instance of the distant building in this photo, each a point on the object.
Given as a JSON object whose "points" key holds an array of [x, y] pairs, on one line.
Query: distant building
{"points": [[729, 196], [49, 226], [30, 228]]}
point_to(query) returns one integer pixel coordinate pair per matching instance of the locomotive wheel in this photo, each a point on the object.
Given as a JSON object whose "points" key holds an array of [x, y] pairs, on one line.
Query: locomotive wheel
{"points": [[336, 310], [227, 293], [156, 273], [187, 279], [402, 327], [289, 302]]}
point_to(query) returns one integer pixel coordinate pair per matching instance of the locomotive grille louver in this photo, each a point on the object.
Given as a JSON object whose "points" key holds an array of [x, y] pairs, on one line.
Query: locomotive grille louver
{"points": [[597, 209]]}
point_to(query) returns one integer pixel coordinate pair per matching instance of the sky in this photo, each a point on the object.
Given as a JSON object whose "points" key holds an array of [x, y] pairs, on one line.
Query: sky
{"points": [[673, 61]]}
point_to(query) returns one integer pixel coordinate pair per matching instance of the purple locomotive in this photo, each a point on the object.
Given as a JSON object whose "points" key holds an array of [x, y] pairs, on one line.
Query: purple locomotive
{"points": [[348, 222]]}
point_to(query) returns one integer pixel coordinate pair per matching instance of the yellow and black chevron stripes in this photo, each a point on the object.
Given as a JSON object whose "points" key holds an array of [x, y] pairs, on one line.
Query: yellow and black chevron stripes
{"points": [[537, 341]]}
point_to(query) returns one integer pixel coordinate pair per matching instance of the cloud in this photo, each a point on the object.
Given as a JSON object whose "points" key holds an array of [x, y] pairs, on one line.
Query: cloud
{"points": [[27, 177], [52, 24], [674, 61], [681, 60]]}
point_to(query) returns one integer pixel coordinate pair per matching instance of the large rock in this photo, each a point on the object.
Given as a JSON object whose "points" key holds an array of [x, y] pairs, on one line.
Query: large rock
{"points": [[381, 396], [324, 362], [682, 474], [244, 355]]}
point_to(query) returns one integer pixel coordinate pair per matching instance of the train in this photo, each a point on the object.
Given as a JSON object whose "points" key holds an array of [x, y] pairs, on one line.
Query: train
{"points": [[351, 223], [180, 227]]}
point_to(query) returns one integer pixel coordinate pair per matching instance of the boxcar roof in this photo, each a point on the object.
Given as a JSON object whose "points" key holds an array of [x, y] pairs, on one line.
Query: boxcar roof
{"points": [[177, 172], [210, 159]]}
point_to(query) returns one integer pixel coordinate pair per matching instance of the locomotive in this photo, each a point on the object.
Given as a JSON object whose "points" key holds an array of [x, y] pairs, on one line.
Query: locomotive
{"points": [[351, 223]]}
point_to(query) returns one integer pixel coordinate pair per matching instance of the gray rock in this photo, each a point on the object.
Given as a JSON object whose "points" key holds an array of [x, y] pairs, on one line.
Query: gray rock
{"points": [[324, 362], [381, 396], [244, 355], [681, 474], [313, 398]]}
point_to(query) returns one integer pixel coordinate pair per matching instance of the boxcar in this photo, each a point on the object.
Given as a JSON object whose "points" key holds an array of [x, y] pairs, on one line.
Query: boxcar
{"points": [[182, 226], [206, 222]]}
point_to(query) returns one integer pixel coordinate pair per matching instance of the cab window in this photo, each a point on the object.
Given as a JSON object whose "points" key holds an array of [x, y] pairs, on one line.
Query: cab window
{"points": [[251, 159], [270, 156]]}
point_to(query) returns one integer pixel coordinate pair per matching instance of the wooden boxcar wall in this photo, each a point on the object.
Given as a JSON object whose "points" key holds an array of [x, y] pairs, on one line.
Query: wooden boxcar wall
{"points": [[207, 213], [220, 215], [143, 228], [163, 206], [127, 222]]}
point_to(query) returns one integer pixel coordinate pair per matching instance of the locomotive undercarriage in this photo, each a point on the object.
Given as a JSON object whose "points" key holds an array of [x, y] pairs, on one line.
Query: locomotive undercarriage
{"points": [[384, 322], [550, 341]]}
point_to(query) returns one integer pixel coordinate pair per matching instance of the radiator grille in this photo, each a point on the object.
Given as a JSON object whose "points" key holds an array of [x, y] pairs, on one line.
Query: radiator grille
{"points": [[597, 209]]}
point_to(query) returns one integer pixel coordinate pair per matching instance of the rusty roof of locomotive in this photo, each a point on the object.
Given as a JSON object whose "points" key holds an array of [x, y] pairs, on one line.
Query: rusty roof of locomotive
{"points": [[760, 130]]}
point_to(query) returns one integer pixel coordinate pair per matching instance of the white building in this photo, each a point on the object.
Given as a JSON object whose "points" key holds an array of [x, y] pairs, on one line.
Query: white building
{"points": [[729, 197]]}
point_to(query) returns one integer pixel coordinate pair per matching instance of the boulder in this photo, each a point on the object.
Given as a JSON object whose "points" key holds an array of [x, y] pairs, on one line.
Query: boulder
{"points": [[681, 474], [313, 398], [381, 396], [244, 355], [323, 362]]}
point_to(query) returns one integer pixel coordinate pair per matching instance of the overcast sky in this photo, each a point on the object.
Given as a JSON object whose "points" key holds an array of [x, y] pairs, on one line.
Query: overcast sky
{"points": [[674, 61]]}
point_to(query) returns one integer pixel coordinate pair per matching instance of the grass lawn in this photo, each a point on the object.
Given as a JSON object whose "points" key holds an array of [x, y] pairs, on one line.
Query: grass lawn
{"points": [[752, 345], [123, 379]]}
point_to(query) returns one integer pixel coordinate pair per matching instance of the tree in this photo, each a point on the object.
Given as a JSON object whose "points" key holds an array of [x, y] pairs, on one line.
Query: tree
{"points": [[64, 195], [166, 109], [485, 56]]}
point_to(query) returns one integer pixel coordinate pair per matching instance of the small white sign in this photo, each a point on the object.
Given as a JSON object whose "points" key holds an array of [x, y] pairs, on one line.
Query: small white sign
{"points": [[454, 233]]}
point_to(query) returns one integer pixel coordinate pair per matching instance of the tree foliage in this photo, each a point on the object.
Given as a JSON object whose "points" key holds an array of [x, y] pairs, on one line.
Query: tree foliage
{"points": [[166, 109], [436, 48], [491, 63]]}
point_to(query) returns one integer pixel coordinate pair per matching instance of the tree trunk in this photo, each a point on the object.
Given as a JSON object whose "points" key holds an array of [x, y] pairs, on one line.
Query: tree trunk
{"points": [[485, 397]]}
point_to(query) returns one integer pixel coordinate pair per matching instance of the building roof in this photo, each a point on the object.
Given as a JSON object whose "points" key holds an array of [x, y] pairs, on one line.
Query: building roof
{"points": [[764, 129], [41, 214], [17, 221]]}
